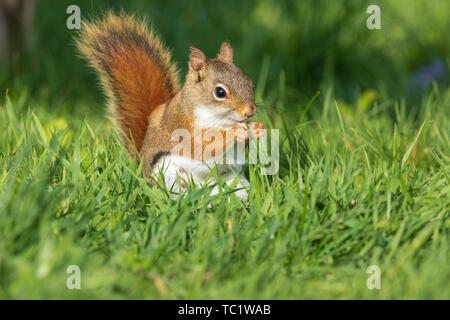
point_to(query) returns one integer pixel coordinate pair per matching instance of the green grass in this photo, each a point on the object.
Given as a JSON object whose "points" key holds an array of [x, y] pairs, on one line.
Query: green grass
{"points": [[352, 191]]}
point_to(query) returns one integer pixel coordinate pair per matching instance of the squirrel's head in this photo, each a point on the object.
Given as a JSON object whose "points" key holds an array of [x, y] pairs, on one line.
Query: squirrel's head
{"points": [[221, 93]]}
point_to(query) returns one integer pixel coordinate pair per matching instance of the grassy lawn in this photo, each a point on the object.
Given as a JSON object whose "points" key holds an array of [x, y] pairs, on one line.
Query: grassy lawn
{"points": [[364, 173], [355, 188]]}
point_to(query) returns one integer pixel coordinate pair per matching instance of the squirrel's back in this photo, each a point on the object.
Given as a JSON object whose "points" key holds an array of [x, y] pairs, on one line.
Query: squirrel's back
{"points": [[135, 71]]}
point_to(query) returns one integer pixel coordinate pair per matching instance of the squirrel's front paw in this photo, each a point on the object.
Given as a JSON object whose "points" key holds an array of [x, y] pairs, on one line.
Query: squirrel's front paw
{"points": [[240, 133], [257, 129]]}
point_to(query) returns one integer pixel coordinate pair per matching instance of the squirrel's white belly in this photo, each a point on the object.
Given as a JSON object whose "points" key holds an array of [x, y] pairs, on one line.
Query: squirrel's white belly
{"points": [[177, 170]]}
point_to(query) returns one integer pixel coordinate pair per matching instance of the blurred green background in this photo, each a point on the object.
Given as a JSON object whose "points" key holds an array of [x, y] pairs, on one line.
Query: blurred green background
{"points": [[304, 46]]}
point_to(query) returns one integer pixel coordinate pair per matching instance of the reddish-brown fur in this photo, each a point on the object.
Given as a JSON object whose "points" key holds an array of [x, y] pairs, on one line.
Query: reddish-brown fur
{"points": [[135, 71], [141, 85], [134, 74]]}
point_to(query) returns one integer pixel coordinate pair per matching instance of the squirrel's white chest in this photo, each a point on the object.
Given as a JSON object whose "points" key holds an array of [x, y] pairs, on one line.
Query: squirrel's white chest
{"points": [[213, 117]]}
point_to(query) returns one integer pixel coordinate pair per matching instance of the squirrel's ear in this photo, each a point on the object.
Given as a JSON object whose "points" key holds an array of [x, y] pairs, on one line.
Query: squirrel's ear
{"points": [[197, 60], [226, 53]]}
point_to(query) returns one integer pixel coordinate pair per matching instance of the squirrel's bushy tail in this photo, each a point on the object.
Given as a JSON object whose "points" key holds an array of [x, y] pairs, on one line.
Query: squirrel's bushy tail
{"points": [[135, 71]]}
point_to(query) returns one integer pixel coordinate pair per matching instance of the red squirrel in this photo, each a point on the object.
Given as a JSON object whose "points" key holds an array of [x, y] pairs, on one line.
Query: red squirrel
{"points": [[147, 104]]}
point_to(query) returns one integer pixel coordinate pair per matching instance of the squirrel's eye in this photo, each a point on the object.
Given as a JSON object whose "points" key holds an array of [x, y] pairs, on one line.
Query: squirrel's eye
{"points": [[220, 93]]}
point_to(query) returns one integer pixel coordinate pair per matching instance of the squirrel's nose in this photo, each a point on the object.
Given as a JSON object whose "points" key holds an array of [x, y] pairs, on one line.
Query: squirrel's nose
{"points": [[249, 111]]}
